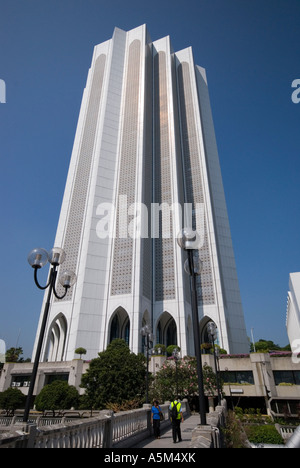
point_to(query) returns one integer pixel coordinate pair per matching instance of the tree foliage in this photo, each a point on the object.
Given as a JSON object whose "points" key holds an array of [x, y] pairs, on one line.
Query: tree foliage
{"points": [[263, 434], [117, 375], [234, 433], [160, 349], [13, 354], [57, 396], [264, 346], [184, 378], [11, 399], [171, 348], [80, 351]]}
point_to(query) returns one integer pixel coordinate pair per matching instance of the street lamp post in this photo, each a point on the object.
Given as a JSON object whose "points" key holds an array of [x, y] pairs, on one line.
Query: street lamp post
{"points": [[212, 331], [147, 333], [176, 356], [230, 394], [189, 241], [37, 258]]}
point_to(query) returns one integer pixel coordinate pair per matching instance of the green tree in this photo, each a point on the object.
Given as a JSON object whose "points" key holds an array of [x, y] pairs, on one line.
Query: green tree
{"points": [[117, 375], [13, 354], [56, 396], [171, 348], [80, 351], [11, 399], [264, 346], [184, 377]]}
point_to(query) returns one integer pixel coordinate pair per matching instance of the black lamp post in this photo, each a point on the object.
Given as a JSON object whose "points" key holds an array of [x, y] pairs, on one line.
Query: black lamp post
{"points": [[37, 258], [176, 356], [212, 331], [147, 333], [189, 240]]}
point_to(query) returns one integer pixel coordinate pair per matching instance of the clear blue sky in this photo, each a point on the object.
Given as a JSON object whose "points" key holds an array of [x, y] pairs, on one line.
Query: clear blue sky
{"points": [[251, 52]]}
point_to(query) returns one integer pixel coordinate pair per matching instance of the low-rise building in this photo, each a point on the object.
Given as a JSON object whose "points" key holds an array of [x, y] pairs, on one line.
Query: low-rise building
{"points": [[269, 381]]}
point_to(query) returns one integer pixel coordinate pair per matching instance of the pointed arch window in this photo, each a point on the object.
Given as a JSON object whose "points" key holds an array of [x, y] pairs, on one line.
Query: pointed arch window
{"points": [[171, 334], [120, 326], [115, 329]]}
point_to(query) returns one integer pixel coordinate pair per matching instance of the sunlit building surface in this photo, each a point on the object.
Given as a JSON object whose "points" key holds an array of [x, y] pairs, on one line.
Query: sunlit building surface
{"points": [[143, 165], [293, 311]]}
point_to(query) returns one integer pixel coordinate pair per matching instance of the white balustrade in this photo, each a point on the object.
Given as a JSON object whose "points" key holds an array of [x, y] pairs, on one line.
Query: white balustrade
{"points": [[105, 430]]}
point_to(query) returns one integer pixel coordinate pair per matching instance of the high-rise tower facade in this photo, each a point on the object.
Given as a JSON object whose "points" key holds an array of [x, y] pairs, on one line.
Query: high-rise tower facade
{"points": [[144, 163]]}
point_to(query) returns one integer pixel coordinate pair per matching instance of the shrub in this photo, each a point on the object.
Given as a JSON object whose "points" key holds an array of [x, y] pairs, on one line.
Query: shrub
{"points": [[56, 396], [171, 348], [266, 434], [161, 347], [235, 436], [11, 399]]}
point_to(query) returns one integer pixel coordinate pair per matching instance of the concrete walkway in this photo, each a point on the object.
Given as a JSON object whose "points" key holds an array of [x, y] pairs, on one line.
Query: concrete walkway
{"points": [[166, 438]]}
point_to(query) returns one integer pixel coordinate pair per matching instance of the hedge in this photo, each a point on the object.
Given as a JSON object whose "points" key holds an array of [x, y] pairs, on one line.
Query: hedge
{"points": [[266, 434]]}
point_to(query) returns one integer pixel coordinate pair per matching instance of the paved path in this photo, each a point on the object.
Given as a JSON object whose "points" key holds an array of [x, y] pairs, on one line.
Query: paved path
{"points": [[166, 439]]}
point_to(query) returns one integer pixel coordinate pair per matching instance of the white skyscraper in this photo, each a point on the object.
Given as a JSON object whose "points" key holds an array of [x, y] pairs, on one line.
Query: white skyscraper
{"points": [[144, 148]]}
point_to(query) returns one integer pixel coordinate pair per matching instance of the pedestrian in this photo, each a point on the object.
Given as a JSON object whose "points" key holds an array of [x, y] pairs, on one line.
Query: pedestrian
{"points": [[156, 416], [176, 416]]}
